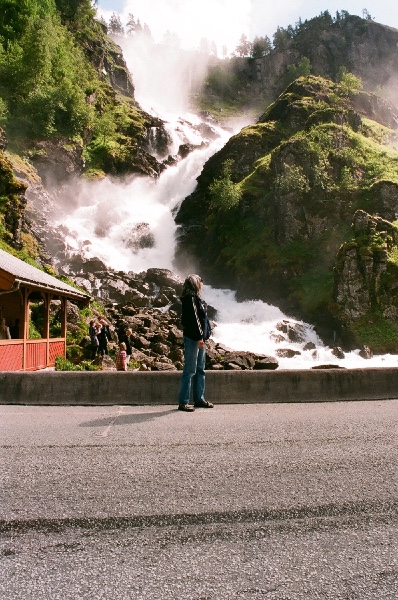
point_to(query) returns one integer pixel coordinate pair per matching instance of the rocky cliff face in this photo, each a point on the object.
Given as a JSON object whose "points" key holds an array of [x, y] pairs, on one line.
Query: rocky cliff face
{"points": [[313, 160], [12, 200], [366, 281], [363, 47]]}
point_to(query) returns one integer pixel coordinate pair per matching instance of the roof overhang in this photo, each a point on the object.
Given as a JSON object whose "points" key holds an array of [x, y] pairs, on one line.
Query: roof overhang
{"points": [[15, 273]]}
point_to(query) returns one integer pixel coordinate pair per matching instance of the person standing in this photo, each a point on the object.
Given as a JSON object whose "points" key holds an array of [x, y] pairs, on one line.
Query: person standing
{"points": [[126, 338], [4, 330], [121, 358], [196, 330], [92, 331], [14, 330], [104, 336]]}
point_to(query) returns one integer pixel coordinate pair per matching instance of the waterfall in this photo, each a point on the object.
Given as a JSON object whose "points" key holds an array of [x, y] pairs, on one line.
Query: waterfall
{"points": [[129, 225]]}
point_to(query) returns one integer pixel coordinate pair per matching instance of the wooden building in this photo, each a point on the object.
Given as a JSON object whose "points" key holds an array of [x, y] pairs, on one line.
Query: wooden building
{"points": [[33, 307]]}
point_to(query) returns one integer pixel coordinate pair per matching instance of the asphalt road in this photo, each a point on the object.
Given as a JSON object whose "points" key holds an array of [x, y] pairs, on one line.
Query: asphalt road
{"points": [[275, 501]]}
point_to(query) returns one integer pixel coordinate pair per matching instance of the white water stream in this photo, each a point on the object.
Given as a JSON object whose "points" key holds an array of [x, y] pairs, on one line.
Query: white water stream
{"points": [[106, 214]]}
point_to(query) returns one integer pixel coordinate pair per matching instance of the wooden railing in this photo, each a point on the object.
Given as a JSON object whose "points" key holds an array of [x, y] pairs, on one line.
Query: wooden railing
{"points": [[30, 355]]}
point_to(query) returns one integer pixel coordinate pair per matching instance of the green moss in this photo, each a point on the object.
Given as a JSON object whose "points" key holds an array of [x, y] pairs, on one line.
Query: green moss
{"points": [[113, 147], [379, 133], [313, 290], [259, 179], [296, 256], [393, 256], [30, 245], [249, 259], [22, 165], [376, 332], [22, 254], [258, 130], [93, 174]]}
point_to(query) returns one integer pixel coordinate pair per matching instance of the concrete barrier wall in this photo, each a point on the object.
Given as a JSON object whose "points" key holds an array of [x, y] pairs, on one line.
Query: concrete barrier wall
{"points": [[222, 387]]}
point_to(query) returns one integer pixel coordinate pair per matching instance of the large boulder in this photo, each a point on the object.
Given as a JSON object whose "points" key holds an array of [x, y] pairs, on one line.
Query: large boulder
{"points": [[366, 284]]}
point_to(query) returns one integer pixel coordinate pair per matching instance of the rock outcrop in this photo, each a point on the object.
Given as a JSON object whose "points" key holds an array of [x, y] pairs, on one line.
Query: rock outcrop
{"points": [[361, 46], [366, 279], [12, 201], [313, 160]]}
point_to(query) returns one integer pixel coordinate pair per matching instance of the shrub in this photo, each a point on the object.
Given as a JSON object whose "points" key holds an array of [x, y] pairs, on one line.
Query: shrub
{"points": [[63, 364], [224, 193]]}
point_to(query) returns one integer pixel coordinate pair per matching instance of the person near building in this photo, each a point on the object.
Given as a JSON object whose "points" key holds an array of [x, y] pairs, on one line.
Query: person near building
{"points": [[92, 331], [4, 330], [104, 336]]}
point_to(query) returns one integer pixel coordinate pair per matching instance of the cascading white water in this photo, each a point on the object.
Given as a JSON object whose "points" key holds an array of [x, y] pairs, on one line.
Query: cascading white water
{"points": [[109, 214], [256, 326]]}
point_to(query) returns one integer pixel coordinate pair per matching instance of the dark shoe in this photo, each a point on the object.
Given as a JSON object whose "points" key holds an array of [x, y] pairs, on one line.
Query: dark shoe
{"points": [[186, 407], [204, 404]]}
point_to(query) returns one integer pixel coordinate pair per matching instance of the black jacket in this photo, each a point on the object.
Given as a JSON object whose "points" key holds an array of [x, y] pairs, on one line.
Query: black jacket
{"points": [[104, 335], [195, 323], [126, 339]]}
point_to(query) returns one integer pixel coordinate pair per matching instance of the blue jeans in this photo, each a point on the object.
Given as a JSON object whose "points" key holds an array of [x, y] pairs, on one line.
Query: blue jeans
{"points": [[193, 372]]}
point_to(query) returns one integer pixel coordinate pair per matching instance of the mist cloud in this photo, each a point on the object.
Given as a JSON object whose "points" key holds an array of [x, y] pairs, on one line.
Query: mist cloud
{"points": [[224, 21], [164, 76], [221, 21]]}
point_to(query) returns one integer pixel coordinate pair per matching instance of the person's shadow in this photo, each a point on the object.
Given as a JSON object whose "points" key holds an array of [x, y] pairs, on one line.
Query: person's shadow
{"points": [[122, 419]]}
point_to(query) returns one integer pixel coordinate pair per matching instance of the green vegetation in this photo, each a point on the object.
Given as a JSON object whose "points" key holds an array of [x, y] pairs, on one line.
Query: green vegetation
{"points": [[51, 88], [293, 71], [114, 140], [313, 290], [63, 364], [45, 77], [224, 92], [22, 254], [349, 84], [377, 332], [232, 84], [224, 193], [292, 184], [10, 204]]}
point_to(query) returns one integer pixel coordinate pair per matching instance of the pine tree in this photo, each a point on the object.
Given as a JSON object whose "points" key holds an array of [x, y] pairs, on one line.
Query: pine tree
{"points": [[115, 25]]}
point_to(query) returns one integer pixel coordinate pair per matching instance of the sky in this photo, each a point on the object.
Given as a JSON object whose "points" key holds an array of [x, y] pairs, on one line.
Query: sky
{"points": [[224, 21]]}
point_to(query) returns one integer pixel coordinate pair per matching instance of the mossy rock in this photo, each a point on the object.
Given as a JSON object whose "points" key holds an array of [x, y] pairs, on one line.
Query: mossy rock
{"points": [[302, 171]]}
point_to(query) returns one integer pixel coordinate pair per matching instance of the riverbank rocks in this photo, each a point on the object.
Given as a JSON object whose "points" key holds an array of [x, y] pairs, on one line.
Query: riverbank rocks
{"points": [[219, 356], [148, 304]]}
